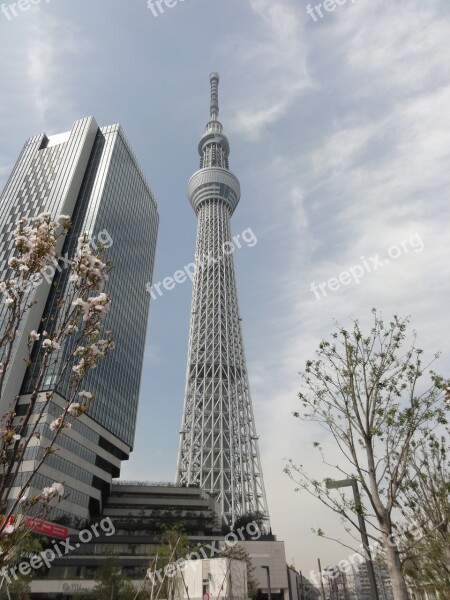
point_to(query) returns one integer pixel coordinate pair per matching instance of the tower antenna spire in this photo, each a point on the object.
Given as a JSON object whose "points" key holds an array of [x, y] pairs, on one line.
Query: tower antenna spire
{"points": [[214, 78]]}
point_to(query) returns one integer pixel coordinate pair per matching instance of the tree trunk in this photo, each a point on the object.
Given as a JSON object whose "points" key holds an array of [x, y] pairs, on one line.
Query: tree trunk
{"points": [[447, 552], [399, 589]]}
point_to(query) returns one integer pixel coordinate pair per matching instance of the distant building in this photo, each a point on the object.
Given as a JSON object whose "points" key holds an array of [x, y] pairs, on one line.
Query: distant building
{"points": [[362, 584], [301, 588], [339, 585]]}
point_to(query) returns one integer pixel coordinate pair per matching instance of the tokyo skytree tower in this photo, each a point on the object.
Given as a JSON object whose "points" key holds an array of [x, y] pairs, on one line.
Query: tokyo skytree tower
{"points": [[218, 442]]}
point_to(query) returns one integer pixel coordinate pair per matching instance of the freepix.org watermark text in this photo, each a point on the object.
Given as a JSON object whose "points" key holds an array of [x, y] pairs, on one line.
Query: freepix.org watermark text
{"points": [[15, 8], [102, 240], [316, 12], [350, 565], [246, 238], [355, 273], [157, 8], [205, 551], [58, 550]]}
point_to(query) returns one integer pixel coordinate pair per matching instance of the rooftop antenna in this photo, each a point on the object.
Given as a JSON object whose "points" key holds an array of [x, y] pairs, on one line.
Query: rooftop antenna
{"points": [[214, 78]]}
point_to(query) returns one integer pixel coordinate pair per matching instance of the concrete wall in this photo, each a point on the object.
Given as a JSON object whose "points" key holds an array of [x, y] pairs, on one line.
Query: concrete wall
{"points": [[273, 555], [219, 578]]}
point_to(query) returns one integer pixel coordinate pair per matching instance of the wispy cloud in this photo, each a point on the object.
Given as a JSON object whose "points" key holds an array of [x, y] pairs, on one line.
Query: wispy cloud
{"points": [[49, 59], [273, 58], [41, 67]]}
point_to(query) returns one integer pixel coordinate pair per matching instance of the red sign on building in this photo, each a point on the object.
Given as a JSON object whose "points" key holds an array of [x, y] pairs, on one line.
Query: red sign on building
{"points": [[46, 528]]}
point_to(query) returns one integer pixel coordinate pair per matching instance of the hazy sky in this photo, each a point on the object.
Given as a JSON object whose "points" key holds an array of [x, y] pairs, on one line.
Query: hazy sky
{"points": [[340, 135]]}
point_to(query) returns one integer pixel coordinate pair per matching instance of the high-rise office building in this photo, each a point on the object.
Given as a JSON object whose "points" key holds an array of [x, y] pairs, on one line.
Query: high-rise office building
{"points": [[218, 444], [91, 175]]}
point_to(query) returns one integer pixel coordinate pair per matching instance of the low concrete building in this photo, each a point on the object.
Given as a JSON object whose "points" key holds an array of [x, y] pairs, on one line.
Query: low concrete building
{"points": [[269, 560], [218, 578], [139, 512]]}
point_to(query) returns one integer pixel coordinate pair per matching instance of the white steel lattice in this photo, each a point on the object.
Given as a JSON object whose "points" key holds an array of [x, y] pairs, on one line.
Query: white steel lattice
{"points": [[218, 443]]}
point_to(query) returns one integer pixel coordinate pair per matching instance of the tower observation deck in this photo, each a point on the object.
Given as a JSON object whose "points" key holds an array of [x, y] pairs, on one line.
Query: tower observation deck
{"points": [[218, 443]]}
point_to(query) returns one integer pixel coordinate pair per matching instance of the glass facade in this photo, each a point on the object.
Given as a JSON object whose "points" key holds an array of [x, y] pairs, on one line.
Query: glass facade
{"points": [[92, 175], [46, 177], [115, 204]]}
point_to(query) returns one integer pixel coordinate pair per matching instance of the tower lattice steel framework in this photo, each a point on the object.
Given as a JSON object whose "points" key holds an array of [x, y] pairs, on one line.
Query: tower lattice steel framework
{"points": [[218, 442]]}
